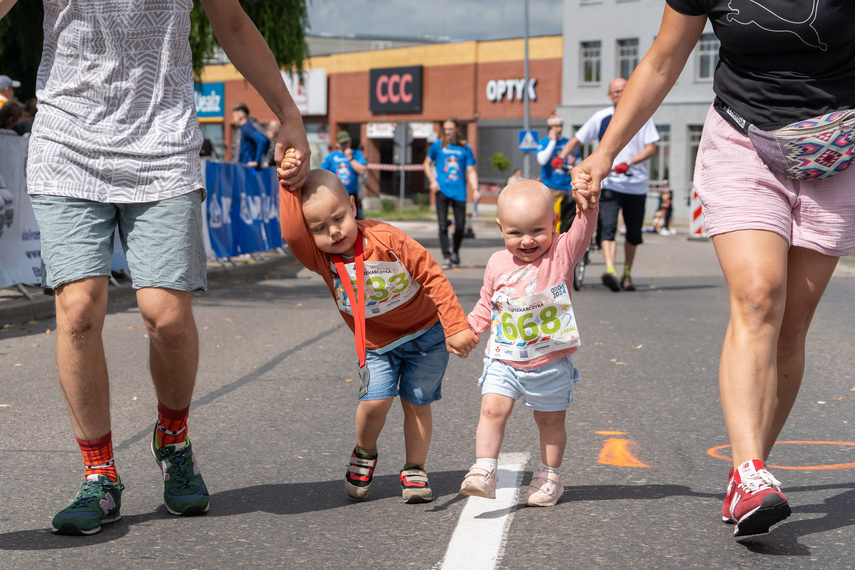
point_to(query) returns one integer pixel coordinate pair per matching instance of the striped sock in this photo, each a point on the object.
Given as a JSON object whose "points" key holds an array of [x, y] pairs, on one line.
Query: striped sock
{"points": [[171, 425], [98, 457]]}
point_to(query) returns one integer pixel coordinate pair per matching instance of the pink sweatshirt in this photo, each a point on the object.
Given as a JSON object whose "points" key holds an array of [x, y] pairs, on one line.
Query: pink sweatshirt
{"points": [[516, 278]]}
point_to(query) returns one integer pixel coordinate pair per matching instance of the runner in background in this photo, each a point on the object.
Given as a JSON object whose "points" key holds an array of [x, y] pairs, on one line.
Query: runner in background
{"points": [[348, 164], [455, 169], [555, 170]]}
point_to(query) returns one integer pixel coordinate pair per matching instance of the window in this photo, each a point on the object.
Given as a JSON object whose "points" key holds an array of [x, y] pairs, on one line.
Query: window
{"points": [[707, 56], [694, 142], [659, 161], [591, 62], [627, 57]]}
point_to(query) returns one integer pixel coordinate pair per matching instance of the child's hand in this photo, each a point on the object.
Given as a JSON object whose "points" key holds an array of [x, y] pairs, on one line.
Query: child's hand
{"points": [[462, 343], [289, 165]]}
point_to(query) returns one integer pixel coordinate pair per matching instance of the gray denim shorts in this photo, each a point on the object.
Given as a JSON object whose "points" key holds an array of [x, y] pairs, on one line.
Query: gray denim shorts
{"points": [[162, 240]]}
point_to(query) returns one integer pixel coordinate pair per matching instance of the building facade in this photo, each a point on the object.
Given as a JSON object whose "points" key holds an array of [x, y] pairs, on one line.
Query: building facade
{"points": [[604, 40], [368, 93]]}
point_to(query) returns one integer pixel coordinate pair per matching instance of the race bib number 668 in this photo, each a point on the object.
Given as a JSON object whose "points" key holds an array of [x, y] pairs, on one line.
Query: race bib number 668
{"points": [[528, 327]]}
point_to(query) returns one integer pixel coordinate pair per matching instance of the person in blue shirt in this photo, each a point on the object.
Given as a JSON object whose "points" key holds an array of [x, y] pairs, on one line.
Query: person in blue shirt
{"points": [[253, 143], [347, 164], [455, 167], [555, 171]]}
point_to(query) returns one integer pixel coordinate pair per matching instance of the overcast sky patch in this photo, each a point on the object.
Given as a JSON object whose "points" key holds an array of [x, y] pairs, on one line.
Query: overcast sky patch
{"points": [[456, 19]]}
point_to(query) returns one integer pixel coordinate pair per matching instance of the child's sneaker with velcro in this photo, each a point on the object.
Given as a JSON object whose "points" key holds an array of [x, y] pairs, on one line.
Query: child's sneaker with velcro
{"points": [[414, 485], [545, 488], [98, 502], [480, 482], [360, 473], [757, 501]]}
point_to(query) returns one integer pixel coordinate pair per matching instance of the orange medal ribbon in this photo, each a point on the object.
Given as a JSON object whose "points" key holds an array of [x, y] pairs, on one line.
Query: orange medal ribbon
{"points": [[357, 306]]}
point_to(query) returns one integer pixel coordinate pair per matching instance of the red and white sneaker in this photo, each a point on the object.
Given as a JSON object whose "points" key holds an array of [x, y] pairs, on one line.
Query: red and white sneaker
{"points": [[731, 485], [360, 474], [756, 502]]}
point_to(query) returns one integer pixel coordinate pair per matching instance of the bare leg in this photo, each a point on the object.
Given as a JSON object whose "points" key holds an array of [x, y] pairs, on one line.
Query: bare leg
{"points": [[81, 307], [609, 249], [629, 254], [174, 344], [748, 368], [495, 411], [807, 277], [418, 428], [553, 436], [370, 419]]}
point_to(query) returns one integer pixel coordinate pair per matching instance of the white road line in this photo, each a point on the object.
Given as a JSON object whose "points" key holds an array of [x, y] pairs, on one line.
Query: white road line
{"points": [[479, 538]]}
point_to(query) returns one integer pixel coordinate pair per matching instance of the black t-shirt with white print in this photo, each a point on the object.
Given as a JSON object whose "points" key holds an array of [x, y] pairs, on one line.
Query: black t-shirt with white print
{"points": [[781, 61]]}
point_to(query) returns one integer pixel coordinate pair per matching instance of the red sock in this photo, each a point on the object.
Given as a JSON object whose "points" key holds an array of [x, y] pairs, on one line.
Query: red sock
{"points": [[171, 425], [98, 457]]}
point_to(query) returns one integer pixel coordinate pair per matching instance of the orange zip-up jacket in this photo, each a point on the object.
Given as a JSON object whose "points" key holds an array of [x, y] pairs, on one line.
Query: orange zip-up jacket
{"points": [[434, 299]]}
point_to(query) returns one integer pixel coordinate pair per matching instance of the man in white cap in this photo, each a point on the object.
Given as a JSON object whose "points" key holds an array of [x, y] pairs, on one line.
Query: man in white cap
{"points": [[7, 88]]}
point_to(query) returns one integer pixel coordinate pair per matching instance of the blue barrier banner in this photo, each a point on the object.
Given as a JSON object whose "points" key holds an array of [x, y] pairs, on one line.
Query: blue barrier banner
{"points": [[242, 208]]}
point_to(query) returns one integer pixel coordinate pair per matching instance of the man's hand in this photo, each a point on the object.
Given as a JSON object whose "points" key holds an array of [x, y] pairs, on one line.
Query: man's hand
{"points": [[462, 343], [434, 186], [348, 152]]}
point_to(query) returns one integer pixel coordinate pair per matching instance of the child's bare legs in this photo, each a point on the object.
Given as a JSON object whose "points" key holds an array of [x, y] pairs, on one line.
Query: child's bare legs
{"points": [[418, 428], [482, 479], [546, 487], [553, 436], [370, 419], [495, 411]]}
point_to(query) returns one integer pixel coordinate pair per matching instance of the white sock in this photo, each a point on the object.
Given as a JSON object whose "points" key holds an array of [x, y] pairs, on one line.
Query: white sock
{"points": [[545, 466], [493, 463]]}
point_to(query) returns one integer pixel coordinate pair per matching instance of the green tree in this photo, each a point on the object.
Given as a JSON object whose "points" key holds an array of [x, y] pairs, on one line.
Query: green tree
{"points": [[283, 24]]}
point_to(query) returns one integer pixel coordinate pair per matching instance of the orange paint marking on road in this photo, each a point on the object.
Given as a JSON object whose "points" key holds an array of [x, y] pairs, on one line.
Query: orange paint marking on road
{"points": [[714, 452], [611, 432], [615, 452]]}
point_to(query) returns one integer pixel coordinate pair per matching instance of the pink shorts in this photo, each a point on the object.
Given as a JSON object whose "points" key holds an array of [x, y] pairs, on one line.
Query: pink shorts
{"points": [[738, 192]]}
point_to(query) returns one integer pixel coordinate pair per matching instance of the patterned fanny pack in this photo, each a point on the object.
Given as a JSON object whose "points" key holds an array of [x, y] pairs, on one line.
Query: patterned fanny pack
{"points": [[813, 149]]}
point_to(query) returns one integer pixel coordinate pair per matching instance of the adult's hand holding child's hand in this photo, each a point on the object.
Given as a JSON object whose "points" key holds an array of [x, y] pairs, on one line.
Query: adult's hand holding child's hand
{"points": [[289, 166]]}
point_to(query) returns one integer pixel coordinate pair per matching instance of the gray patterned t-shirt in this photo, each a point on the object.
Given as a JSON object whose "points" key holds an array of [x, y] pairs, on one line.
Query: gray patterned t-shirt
{"points": [[117, 118]]}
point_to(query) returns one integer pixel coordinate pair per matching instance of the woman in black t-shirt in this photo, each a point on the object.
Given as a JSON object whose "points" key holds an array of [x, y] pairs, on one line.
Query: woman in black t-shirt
{"points": [[778, 240]]}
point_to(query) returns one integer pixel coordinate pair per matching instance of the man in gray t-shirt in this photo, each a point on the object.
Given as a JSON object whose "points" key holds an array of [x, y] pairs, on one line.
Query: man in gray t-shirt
{"points": [[115, 145]]}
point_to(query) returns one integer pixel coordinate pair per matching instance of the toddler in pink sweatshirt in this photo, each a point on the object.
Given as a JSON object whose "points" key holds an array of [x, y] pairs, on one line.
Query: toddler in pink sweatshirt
{"points": [[525, 302]]}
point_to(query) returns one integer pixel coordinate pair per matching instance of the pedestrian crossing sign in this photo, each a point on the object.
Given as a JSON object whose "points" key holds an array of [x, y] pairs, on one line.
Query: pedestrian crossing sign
{"points": [[528, 141]]}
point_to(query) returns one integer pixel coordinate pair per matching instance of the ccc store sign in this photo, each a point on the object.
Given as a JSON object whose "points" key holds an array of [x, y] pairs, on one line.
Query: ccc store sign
{"points": [[396, 89]]}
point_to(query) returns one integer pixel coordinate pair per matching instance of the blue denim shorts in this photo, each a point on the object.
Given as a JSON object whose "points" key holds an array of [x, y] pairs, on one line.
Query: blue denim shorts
{"points": [[162, 240], [546, 389], [413, 370]]}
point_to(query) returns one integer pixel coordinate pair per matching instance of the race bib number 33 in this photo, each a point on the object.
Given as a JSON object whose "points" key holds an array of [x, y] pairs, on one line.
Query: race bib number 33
{"points": [[527, 327], [388, 285]]}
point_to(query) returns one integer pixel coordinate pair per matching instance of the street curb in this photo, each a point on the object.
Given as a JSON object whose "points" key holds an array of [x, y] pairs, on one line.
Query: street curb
{"points": [[42, 306]]}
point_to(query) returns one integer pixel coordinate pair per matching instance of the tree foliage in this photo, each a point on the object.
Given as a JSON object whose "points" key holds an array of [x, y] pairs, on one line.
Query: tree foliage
{"points": [[283, 24]]}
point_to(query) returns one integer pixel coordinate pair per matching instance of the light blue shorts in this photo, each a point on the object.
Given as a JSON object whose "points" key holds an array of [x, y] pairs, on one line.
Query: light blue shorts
{"points": [[162, 240], [546, 389], [413, 370]]}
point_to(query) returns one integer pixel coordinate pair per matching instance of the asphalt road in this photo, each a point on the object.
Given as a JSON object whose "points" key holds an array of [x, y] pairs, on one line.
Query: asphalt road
{"points": [[272, 426]]}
